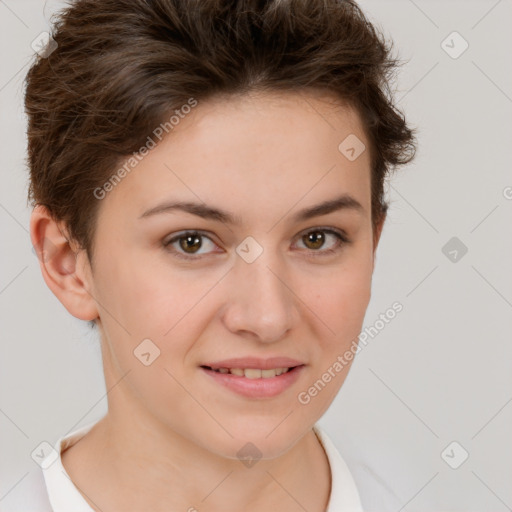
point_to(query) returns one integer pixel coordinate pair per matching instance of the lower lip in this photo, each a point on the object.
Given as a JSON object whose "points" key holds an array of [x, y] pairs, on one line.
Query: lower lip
{"points": [[256, 388]]}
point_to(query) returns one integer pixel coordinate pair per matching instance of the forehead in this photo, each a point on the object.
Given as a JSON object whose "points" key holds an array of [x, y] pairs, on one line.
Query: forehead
{"points": [[265, 150]]}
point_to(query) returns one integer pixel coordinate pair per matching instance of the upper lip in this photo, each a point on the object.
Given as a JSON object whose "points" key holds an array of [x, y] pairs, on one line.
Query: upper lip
{"points": [[255, 362]]}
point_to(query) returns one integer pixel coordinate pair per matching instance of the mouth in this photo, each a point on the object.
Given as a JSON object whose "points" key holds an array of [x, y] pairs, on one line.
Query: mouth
{"points": [[254, 383], [253, 373]]}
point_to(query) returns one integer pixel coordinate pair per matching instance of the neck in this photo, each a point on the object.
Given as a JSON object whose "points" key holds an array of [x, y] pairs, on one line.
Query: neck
{"points": [[157, 469]]}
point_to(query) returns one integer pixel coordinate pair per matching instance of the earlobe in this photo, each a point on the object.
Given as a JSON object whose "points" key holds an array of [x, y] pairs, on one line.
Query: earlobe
{"points": [[65, 271]]}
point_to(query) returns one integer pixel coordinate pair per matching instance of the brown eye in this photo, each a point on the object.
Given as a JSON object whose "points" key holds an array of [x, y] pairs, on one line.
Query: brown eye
{"points": [[315, 238], [190, 243]]}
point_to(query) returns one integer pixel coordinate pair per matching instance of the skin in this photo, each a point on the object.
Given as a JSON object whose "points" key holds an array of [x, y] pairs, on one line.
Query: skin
{"points": [[171, 435]]}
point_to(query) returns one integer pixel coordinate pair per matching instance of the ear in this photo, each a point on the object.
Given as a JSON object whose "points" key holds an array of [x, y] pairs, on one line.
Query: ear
{"points": [[66, 270], [377, 233]]}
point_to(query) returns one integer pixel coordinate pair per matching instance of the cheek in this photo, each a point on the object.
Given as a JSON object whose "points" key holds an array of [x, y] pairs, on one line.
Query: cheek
{"points": [[150, 298], [151, 316], [341, 301], [341, 307]]}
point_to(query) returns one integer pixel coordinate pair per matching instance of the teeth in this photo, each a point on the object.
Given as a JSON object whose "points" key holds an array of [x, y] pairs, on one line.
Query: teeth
{"points": [[254, 373]]}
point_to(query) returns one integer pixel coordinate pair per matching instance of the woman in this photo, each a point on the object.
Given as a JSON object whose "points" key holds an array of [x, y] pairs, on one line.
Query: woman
{"points": [[207, 181]]}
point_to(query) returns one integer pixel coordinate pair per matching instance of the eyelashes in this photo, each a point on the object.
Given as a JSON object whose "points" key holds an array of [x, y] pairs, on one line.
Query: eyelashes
{"points": [[191, 238]]}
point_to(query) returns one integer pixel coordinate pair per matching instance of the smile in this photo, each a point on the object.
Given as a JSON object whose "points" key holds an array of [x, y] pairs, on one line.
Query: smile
{"points": [[254, 382], [251, 373]]}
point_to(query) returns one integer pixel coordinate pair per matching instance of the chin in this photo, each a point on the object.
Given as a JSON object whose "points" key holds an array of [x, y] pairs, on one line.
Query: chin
{"points": [[266, 440]]}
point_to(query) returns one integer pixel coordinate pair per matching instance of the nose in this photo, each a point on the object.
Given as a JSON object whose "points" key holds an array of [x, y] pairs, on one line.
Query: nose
{"points": [[261, 304]]}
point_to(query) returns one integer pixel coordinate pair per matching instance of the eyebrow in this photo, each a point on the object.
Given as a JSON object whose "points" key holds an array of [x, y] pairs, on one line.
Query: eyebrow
{"points": [[343, 202]]}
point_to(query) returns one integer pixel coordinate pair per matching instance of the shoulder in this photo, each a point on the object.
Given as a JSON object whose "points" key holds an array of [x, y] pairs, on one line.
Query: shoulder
{"points": [[372, 481], [47, 487], [29, 494], [344, 494]]}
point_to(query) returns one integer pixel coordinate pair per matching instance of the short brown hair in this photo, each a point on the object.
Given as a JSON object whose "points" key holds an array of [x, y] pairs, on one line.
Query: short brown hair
{"points": [[120, 67]]}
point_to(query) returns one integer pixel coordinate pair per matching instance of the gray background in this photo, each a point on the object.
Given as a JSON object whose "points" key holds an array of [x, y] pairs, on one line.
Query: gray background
{"points": [[439, 372]]}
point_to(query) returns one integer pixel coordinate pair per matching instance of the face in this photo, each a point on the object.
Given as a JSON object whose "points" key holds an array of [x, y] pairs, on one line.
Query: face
{"points": [[248, 276]]}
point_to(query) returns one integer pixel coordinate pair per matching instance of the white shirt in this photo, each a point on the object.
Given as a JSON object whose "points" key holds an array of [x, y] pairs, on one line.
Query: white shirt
{"points": [[50, 488]]}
